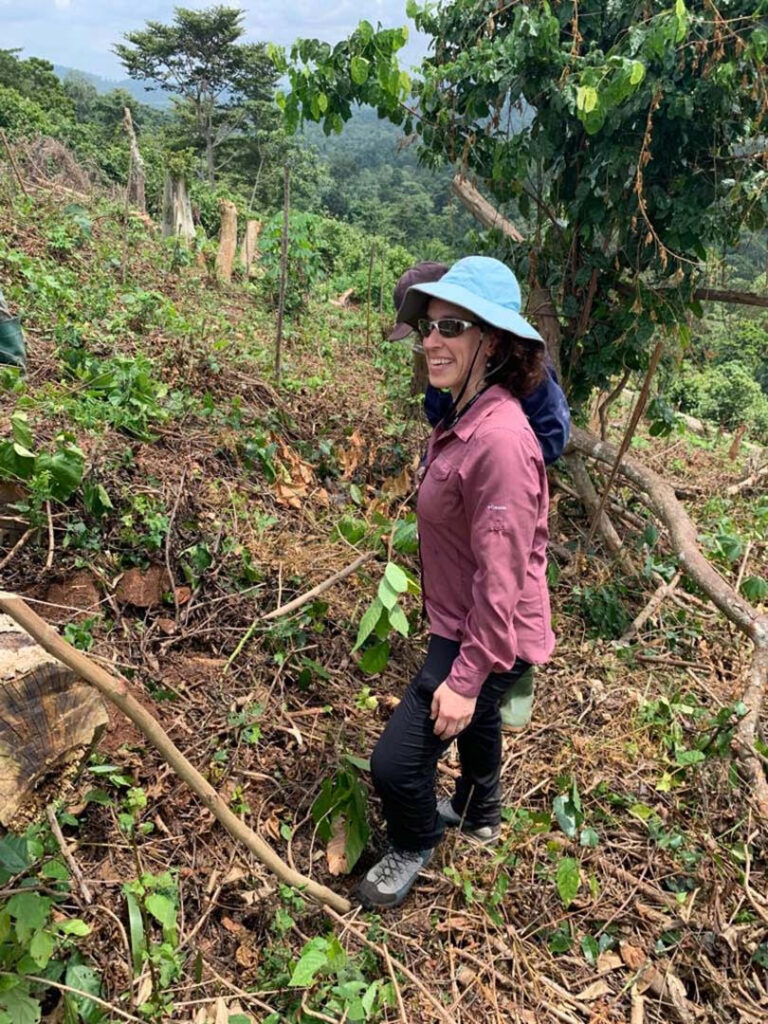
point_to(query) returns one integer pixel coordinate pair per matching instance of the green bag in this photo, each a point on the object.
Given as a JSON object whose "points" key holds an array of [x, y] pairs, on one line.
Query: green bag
{"points": [[12, 348], [517, 703]]}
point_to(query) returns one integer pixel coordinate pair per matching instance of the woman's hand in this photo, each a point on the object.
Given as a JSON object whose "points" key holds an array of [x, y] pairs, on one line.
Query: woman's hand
{"points": [[451, 711]]}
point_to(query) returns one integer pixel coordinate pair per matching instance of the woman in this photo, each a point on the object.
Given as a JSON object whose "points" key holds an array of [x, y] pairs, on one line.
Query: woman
{"points": [[482, 512]]}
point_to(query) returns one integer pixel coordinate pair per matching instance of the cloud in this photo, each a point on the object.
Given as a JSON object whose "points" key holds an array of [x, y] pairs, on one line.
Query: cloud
{"points": [[62, 5]]}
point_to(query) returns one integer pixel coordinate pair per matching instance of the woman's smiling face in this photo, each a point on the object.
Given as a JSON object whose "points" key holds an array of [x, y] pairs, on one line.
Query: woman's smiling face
{"points": [[449, 359]]}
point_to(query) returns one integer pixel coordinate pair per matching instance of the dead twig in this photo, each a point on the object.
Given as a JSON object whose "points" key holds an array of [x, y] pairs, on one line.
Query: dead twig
{"points": [[67, 854], [16, 548]]}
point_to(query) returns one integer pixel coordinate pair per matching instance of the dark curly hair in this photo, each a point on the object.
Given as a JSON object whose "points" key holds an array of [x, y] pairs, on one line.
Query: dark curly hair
{"points": [[517, 364]]}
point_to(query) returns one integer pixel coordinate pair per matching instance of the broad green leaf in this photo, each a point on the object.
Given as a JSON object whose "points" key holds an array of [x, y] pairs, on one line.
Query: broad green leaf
{"points": [[637, 74], [568, 818], [358, 68], [386, 594], [375, 659], [162, 909], [368, 622], [314, 957], [84, 979], [589, 838], [30, 911], [396, 578], [41, 948], [13, 854], [754, 589], [568, 880], [641, 811], [363, 763], [20, 1006], [406, 537], [74, 927], [590, 949], [586, 98], [21, 432], [398, 620]]}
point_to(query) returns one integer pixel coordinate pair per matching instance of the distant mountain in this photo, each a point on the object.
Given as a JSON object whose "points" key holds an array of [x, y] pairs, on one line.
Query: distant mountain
{"points": [[152, 97]]}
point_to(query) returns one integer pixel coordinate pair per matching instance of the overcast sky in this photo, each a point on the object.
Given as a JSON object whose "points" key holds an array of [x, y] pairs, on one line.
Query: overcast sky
{"points": [[81, 33]]}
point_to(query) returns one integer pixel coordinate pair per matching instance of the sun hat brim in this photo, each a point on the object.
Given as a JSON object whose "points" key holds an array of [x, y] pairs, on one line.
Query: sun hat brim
{"points": [[399, 332], [417, 299]]}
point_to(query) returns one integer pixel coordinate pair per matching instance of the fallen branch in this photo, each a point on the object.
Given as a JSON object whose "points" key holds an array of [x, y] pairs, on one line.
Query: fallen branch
{"points": [[662, 591], [753, 624], [747, 483], [116, 691], [68, 856], [297, 602], [588, 496]]}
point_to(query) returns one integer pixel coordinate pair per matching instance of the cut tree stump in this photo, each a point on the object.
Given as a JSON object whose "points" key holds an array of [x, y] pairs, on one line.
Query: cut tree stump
{"points": [[49, 721], [250, 246], [177, 209], [225, 257]]}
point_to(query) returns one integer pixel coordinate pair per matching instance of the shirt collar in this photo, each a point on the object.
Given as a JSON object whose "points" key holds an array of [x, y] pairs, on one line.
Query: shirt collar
{"points": [[482, 408]]}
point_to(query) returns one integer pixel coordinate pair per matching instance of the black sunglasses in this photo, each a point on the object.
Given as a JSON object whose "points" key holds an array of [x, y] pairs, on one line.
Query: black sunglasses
{"points": [[446, 327]]}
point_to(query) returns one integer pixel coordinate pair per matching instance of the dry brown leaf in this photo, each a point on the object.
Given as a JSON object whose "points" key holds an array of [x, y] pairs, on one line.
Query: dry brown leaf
{"points": [[398, 486], [222, 1012], [594, 991], [235, 874], [144, 990], [235, 927], [633, 957], [608, 962], [336, 851], [246, 956], [290, 494]]}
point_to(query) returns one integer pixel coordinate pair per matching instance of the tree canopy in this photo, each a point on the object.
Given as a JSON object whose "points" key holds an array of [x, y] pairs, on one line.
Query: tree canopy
{"points": [[221, 83], [620, 134]]}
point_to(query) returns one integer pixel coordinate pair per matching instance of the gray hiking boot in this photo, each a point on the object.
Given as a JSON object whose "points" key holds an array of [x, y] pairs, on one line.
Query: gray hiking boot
{"points": [[482, 834], [389, 882]]}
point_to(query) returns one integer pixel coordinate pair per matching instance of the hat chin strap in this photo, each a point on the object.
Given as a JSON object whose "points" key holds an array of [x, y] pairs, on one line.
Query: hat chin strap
{"points": [[451, 414]]}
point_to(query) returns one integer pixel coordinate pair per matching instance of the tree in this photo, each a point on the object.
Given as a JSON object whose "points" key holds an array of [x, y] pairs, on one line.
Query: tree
{"points": [[219, 81], [618, 132]]}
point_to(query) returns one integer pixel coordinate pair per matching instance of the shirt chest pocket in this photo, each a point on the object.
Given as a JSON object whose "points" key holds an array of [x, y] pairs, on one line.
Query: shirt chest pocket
{"points": [[440, 493]]}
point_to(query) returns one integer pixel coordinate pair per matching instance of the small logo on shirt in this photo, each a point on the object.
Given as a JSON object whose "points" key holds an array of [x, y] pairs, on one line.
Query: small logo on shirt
{"points": [[497, 508]]}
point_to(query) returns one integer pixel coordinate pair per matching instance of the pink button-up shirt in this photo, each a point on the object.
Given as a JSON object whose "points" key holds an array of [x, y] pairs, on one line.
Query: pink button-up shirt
{"points": [[482, 513]]}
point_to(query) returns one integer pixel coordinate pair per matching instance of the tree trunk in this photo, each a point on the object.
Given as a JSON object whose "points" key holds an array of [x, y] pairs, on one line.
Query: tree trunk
{"points": [[177, 209], [136, 177], [225, 257], [250, 247], [419, 374], [49, 720], [480, 208], [542, 311]]}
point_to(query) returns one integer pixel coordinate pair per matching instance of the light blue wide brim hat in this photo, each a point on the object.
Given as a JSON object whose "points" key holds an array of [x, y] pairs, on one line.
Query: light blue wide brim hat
{"points": [[480, 284]]}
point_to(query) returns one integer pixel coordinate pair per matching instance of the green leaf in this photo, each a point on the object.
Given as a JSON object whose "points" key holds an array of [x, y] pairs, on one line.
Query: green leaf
{"points": [[314, 957], [363, 763], [637, 73], [754, 589], [386, 594], [21, 432], [398, 620], [30, 910], [586, 98], [20, 1006], [375, 659], [589, 838], [368, 622], [66, 469], [41, 948], [162, 909], [406, 537], [74, 927], [689, 757], [396, 578], [84, 979], [568, 880], [136, 929], [359, 70], [641, 811], [568, 818], [13, 854], [590, 949]]}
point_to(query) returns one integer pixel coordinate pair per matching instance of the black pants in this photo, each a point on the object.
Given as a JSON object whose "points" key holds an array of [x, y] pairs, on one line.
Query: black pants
{"points": [[404, 761]]}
